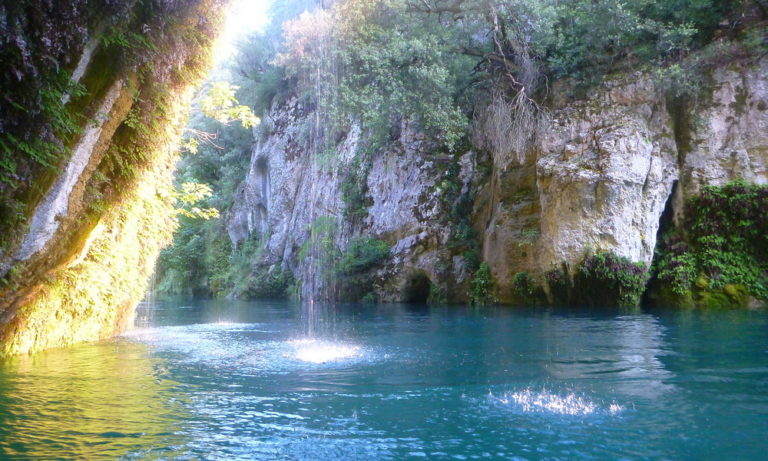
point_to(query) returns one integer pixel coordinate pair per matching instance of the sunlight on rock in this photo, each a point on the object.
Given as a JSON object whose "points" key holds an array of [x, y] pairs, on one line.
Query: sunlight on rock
{"points": [[313, 351]]}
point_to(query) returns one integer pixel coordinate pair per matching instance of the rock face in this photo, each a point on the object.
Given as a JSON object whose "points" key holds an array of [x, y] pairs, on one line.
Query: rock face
{"points": [[292, 200], [609, 164], [598, 180], [88, 227], [728, 134]]}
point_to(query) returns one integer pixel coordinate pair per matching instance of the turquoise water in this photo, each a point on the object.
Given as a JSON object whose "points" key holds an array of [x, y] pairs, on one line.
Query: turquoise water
{"points": [[227, 380]]}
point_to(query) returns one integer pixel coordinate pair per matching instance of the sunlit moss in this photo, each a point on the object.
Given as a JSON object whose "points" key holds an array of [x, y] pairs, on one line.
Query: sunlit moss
{"points": [[85, 286]]}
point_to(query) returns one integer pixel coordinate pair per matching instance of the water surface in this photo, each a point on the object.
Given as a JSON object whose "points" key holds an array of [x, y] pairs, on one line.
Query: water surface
{"points": [[232, 380]]}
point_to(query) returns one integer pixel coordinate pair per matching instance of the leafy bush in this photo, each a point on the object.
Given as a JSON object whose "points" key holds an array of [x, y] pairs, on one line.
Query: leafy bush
{"points": [[271, 283], [482, 287], [606, 279], [362, 254], [559, 285], [355, 282], [526, 288], [724, 241], [677, 266]]}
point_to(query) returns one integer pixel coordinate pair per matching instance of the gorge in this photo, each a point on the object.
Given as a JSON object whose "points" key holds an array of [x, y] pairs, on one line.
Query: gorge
{"points": [[550, 188], [384, 229]]}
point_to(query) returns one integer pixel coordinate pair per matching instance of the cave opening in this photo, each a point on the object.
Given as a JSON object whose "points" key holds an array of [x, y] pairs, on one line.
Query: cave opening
{"points": [[666, 224], [417, 288], [667, 219]]}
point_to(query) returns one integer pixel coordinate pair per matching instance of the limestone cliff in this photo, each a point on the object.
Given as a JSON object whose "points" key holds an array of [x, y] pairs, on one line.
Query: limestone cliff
{"points": [[600, 178], [94, 100], [293, 200]]}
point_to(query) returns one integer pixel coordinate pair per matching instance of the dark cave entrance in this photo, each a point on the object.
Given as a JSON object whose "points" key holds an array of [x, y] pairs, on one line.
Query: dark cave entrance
{"points": [[417, 289], [667, 219], [666, 224]]}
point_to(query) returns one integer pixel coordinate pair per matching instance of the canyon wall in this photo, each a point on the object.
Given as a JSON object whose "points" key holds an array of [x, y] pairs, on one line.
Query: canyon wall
{"points": [[96, 99], [599, 179]]}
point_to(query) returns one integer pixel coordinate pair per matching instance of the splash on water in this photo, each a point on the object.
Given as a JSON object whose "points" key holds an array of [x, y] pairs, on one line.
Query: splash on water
{"points": [[314, 351], [531, 401]]}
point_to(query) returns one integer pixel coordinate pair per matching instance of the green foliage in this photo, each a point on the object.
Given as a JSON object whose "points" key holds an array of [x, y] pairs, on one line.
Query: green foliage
{"points": [[201, 260], [379, 62], [320, 244], [437, 294], [220, 104], [527, 288], [362, 254], [369, 298], [270, 284], [676, 266], [376, 63], [482, 287], [559, 285], [607, 280], [354, 188], [687, 76], [724, 242], [355, 268], [189, 195]]}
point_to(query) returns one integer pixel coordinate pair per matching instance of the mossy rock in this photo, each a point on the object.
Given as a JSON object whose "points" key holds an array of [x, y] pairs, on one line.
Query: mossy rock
{"points": [[665, 296], [730, 296]]}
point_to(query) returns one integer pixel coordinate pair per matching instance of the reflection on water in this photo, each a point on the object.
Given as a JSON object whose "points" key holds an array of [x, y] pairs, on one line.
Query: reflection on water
{"points": [[235, 380], [88, 402]]}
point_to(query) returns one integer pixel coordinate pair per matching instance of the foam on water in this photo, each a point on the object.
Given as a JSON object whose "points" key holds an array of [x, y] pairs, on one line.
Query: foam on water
{"points": [[248, 348], [316, 351], [532, 401]]}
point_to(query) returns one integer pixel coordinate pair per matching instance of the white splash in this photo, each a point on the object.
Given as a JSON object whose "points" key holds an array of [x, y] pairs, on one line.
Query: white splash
{"points": [[314, 351], [530, 401]]}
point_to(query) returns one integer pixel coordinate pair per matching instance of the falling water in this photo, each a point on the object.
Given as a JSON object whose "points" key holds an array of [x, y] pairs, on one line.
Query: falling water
{"points": [[322, 81]]}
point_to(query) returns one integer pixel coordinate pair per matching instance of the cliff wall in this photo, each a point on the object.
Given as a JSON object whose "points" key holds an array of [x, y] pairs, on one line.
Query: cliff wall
{"points": [[598, 180], [95, 100]]}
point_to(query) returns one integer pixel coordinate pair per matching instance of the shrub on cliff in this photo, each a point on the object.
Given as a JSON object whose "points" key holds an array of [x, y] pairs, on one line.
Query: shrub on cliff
{"points": [[362, 254], [606, 279], [722, 245], [527, 288], [270, 284], [559, 285], [482, 287]]}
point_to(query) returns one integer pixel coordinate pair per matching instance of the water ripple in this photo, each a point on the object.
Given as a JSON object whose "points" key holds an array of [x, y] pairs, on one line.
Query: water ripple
{"points": [[532, 401]]}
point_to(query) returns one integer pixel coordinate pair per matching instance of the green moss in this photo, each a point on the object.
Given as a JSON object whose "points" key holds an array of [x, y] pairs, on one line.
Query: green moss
{"points": [[87, 283], [354, 185]]}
